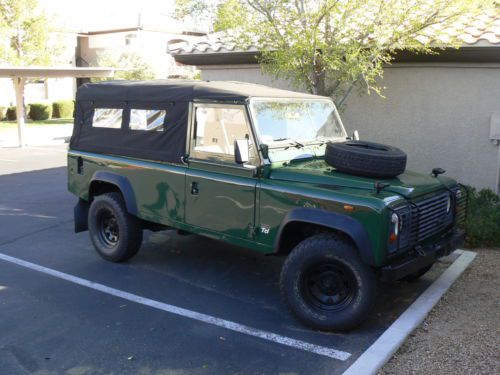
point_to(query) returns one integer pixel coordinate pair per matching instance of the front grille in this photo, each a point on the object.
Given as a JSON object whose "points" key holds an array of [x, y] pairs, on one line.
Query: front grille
{"points": [[432, 216], [461, 205], [425, 218]]}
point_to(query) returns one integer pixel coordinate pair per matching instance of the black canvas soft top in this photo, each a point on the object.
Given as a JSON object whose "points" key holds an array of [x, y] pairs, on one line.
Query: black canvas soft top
{"points": [[172, 97], [179, 90]]}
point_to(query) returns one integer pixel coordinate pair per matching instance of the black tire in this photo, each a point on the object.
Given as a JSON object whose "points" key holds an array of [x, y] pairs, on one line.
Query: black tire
{"points": [[116, 235], [366, 158], [326, 285], [417, 275]]}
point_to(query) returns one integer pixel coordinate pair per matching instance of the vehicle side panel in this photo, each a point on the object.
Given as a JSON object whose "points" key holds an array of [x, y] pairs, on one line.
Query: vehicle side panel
{"points": [[158, 187], [277, 198]]}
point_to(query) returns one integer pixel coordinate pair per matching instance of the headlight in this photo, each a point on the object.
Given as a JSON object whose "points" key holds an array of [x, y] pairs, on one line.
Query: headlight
{"points": [[448, 204], [395, 223], [399, 227]]}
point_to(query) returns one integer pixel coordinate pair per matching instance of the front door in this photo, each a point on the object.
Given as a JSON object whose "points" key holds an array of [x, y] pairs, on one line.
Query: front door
{"points": [[220, 194]]}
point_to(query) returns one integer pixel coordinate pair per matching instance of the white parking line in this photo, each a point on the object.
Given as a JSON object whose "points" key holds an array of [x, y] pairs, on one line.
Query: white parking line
{"points": [[269, 336]]}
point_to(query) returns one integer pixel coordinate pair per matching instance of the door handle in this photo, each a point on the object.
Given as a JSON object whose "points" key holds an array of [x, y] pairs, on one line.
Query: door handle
{"points": [[194, 188]]}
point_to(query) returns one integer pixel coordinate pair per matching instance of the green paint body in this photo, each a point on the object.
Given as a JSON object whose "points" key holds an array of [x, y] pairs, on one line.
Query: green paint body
{"points": [[247, 207]]}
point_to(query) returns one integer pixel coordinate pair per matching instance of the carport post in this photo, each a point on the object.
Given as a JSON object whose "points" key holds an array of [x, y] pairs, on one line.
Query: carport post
{"points": [[19, 88]]}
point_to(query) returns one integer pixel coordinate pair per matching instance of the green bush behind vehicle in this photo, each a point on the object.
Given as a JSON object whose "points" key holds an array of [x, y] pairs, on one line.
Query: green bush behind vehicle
{"points": [[40, 111], [63, 109], [483, 218]]}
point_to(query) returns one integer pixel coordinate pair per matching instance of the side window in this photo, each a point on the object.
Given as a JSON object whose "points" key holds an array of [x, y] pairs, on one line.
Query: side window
{"points": [[147, 119], [107, 118], [216, 129]]}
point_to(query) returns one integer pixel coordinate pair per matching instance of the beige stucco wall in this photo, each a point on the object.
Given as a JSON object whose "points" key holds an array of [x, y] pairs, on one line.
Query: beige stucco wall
{"points": [[438, 114]]}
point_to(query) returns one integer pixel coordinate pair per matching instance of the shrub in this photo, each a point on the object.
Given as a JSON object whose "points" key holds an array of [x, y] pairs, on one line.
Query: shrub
{"points": [[40, 111], [483, 218], [3, 113], [63, 109], [11, 114]]}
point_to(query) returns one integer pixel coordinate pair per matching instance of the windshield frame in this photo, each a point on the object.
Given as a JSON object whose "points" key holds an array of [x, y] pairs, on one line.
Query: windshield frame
{"points": [[298, 99]]}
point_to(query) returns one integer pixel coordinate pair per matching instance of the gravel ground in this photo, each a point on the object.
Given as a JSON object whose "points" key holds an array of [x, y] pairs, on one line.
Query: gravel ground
{"points": [[461, 335]]}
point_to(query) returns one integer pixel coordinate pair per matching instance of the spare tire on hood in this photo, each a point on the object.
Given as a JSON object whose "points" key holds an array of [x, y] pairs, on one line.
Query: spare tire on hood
{"points": [[366, 158]]}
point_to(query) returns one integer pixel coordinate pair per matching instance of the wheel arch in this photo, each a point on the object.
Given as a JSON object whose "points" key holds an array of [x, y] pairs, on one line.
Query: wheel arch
{"points": [[103, 182], [300, 221]]}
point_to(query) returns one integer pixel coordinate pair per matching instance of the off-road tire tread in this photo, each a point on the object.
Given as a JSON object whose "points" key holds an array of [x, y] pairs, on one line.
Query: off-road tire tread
{"points": [[338, 248], [130, 228], [366, 162]]}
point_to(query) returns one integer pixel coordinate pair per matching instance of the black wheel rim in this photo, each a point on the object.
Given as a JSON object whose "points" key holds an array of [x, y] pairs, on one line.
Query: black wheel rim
{"points": [[108, 228], [329, 286]]}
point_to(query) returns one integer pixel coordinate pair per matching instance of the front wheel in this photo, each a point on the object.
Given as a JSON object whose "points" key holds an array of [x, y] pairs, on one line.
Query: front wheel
{"points": [[326, 285], [116, 234]]}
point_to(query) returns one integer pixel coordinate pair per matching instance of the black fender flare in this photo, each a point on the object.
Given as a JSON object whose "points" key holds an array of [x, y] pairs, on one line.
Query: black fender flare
{"points": [[122, 183], [334, 220]]}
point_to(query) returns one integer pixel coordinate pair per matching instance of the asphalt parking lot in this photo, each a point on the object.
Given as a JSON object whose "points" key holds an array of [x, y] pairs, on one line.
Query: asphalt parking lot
{"points": [[55, 326]]}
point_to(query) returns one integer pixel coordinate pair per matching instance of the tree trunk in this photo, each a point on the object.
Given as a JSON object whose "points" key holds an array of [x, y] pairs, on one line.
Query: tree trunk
{"points": [[319, 83]]}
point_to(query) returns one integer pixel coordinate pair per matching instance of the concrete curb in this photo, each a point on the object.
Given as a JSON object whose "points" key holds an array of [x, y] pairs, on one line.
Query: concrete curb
{"points": [[381, 351]]}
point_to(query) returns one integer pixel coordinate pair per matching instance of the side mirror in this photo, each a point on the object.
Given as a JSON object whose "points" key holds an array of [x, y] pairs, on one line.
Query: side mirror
{"points": [[355, 135], [241, 151]]}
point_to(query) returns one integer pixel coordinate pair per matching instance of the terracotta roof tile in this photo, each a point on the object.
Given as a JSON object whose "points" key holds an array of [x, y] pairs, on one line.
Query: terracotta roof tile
{"points": [[484, 30]]}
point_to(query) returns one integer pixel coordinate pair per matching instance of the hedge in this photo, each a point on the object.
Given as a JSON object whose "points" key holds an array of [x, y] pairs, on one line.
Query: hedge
{"points": [[40, 111], [3, 113], [11, 114], [483, 218], [63, 109]]}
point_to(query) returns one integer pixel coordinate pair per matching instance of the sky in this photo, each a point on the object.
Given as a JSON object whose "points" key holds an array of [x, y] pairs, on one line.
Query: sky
{"points": [[78, 15]]}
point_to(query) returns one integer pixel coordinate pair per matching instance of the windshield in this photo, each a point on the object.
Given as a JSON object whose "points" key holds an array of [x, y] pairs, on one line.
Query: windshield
{"points": [[297, 122]]}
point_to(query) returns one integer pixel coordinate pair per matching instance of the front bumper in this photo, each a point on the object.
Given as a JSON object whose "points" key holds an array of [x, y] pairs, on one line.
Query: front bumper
{"points": [[422, 256]]}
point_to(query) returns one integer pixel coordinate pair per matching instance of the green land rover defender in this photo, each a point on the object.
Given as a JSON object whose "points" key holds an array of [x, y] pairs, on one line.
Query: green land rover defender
{"points": [[267, 169]]}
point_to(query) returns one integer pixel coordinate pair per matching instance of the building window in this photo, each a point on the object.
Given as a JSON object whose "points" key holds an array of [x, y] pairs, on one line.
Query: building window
{"points": [[107, 118], [147, 119]]}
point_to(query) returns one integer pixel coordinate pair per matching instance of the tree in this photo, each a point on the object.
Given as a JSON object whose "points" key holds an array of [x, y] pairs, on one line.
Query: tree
{"points": [[24, 29], [331, 47], [197, 11], [136, 67]]}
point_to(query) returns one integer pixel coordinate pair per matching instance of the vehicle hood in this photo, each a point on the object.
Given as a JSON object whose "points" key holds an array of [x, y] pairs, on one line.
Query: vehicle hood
{"points": [[318, 172]]}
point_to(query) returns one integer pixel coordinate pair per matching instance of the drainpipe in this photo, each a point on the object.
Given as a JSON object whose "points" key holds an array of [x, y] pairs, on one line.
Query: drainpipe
{"points": [[495, 138]]}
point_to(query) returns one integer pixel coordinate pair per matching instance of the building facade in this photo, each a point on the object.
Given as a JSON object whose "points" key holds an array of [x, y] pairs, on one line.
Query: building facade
{"points": [[442, 110]]}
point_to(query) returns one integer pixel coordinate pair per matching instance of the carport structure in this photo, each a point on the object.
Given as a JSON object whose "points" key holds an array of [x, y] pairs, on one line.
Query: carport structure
{"points": [[20, 75]]}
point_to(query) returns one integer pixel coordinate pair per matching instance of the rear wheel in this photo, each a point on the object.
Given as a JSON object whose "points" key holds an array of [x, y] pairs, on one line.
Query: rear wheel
{"points": [[116, 234], [326, 285]]}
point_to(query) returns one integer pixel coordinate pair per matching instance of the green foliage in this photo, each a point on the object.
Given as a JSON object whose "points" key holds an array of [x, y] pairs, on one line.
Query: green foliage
{"points": [[138, 69], [483, 219], [229, 15], [195, 10], [40, 111], [331, 47], [3, 113], [26, 31], [11, 114], [63, 109]]}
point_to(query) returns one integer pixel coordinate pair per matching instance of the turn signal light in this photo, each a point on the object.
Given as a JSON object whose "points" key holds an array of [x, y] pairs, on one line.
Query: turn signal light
{"points": [[393, 237]]}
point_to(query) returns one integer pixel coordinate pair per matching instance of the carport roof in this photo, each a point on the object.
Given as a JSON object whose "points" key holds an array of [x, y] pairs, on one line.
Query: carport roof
{"points": [[55, 72]]}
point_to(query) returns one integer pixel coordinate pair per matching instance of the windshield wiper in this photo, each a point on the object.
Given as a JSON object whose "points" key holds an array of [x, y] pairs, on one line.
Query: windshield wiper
{"points": [[294, 142]]}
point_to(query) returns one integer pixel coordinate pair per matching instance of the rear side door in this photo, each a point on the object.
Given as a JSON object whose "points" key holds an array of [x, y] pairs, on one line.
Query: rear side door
{"points": [[220, 194]]}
